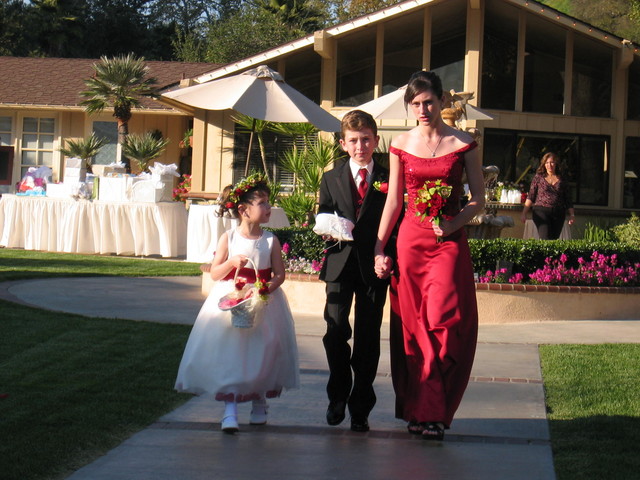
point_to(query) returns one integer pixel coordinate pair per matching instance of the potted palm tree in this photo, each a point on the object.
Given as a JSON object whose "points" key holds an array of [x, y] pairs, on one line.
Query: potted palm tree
{"points": [[120, 83], [85, 148], [143, 148]]}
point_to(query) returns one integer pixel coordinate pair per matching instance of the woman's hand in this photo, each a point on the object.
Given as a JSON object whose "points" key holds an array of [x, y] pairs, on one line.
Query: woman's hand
{"points": [[444, 229], [383, 266]]}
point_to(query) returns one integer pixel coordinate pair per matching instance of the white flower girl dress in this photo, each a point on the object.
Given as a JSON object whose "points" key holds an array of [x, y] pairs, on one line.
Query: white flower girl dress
{"points": [[241, 364]]}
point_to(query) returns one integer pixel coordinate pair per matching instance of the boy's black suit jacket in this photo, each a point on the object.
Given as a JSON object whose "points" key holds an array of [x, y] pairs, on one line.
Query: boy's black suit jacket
{"points": [[336, 195]]}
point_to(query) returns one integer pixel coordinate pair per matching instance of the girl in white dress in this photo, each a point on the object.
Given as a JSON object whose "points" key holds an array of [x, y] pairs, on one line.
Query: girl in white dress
{"points": [[243, 364]]}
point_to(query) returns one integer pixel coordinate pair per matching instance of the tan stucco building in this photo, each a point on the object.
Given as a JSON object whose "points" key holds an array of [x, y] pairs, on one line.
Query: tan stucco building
{"points": [[551, 81], [40, 109]]}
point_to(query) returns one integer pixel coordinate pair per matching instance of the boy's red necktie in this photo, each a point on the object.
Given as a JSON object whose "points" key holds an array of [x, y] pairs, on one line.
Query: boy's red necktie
{"points": [[362, 186]]}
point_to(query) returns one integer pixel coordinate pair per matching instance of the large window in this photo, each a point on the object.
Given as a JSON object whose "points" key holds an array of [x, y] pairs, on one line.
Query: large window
{"points": [[592, 70], [543, 89], [6, 164], [37, 143], [631, 188], [275, 145], [499, 56], [108, 154], [633, 99], [448, 43], [403, 39], [6, 151], [585, 159], [356, 68], [5, 130], [303, 72]]}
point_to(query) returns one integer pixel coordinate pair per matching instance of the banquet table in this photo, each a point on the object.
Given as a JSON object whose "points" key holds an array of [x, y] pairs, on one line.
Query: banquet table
{"points": [[530, 231], [205, 227], [91, 226]]}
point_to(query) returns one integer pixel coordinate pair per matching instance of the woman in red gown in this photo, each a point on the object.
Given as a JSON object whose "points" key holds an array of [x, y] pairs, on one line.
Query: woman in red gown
{"points": [[434, 322]]}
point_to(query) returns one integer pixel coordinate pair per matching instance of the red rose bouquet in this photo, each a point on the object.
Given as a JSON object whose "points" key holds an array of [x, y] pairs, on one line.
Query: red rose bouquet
{"points": [[431, 199], [263, 289]]}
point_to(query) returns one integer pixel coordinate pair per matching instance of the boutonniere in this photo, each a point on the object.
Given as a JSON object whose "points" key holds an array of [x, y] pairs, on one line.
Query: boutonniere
{"points": [[381, 186]]}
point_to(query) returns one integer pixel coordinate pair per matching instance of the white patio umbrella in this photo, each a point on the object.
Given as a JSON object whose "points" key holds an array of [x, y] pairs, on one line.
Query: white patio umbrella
{"points": [[260, 93], [391, 106]]}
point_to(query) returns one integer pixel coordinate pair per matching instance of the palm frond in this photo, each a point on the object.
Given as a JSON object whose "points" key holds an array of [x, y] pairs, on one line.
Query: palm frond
{"points": [[143, 148]]}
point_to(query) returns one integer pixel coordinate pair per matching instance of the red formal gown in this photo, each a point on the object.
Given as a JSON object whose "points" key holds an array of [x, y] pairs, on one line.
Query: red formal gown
{"points": [[434, 324]]}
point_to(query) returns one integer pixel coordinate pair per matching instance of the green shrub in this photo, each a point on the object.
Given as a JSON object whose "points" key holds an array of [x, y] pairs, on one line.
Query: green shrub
{"points": [[303, 242], [595, 233], [529, 255], [629, 232]]}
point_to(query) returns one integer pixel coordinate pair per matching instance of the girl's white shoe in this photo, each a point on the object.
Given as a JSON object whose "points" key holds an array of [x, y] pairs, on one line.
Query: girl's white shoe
{"points": [[258, 412], [230, 424], [230, 418]]}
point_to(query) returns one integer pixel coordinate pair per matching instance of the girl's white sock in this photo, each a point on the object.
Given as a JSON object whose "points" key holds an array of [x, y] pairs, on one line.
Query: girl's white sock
{"points": [[230, 409]]}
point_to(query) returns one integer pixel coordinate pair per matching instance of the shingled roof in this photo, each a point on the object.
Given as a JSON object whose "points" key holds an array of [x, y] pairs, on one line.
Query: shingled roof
{"points": [[57, 82]]}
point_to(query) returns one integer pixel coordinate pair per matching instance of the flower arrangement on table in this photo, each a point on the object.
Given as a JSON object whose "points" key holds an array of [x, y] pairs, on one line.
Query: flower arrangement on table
{"points": [[182, 189], [431, 199]]}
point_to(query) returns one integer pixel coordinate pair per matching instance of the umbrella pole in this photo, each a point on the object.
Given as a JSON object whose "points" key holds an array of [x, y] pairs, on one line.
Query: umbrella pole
{"points": [[246, 165]]}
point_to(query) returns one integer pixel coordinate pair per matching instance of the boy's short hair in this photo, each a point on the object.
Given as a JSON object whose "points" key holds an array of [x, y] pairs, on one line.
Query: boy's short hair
{"points": [[357, 120]]}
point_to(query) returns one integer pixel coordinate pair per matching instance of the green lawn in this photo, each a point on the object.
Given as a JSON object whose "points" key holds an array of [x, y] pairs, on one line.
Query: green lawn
{"points": [[72, 387], [593, 404], [26, 264]]}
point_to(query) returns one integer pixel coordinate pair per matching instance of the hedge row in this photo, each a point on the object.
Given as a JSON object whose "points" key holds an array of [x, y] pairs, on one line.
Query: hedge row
{"points": [[526, 255], [529, 255]]}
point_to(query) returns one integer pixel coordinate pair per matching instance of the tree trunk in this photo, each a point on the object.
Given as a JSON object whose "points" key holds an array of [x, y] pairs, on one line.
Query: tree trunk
{"points": [[123, 131]]}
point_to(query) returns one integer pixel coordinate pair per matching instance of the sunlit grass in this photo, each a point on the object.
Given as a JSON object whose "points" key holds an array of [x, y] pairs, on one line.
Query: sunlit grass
{"points": [[593, 402], [18, 264]]}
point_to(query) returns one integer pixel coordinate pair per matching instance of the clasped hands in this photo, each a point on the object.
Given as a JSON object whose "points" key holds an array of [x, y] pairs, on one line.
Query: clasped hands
{"points": [[383, 266]]}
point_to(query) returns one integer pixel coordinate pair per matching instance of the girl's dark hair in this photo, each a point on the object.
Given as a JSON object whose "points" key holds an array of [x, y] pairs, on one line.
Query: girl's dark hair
{"points": [[243, 192], [420, 82]]}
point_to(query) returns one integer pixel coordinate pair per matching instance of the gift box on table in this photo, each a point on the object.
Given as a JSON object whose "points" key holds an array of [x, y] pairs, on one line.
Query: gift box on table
{"points": [[153, 190], [115, 189], [74, 170], [58, 190]]}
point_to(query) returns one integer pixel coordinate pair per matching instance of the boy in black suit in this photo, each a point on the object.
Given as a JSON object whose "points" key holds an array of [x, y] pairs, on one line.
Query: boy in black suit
{"points": [[354, 190]]}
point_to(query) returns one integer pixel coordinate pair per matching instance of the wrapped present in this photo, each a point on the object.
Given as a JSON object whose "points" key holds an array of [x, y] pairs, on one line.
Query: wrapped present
{"points": [[35, 178], [75, 170], [112, 170], [115, 189], [147, 190], [58, 190]]}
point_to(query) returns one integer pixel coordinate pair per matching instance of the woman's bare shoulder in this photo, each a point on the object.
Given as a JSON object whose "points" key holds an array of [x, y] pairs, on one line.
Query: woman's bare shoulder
{"points": [[401, 141]]}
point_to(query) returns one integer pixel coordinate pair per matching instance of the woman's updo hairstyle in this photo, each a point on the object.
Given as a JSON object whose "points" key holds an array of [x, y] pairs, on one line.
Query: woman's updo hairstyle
{"points": [[242, 192], [420, 82]]}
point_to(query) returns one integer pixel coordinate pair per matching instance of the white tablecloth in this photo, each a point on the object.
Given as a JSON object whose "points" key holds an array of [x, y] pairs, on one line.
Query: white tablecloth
{"points": [[83, 226], [530, 231], [205, 228]]}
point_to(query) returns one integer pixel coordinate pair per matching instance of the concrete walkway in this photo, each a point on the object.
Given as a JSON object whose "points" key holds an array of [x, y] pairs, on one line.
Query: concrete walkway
{"points": [[500, 431]]}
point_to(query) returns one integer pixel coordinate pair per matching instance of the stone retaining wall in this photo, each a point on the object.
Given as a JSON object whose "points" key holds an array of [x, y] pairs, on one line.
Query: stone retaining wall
{"points": [[499, 303]]}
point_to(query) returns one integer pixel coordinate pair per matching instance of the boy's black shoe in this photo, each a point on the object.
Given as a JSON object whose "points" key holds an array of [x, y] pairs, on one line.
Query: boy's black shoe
{"points": [[335, 413], [359, 424]]}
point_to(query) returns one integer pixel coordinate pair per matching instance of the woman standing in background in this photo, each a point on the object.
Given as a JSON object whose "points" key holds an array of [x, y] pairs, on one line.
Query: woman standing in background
{"points": [[550, 198]]}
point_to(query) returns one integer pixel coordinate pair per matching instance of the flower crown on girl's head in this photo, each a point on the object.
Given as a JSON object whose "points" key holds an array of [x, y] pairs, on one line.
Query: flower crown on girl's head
{"points": [[242, 187]]}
